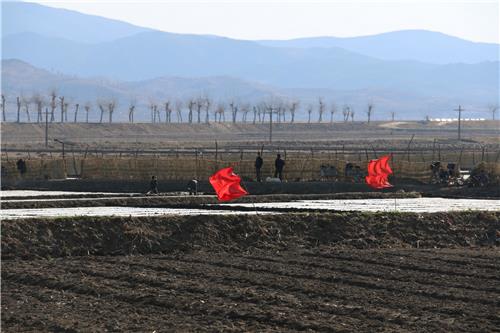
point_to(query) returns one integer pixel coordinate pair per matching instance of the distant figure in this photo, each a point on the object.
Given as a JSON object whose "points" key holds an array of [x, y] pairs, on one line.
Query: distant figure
{"points": [[193, 187], [258, 165], [435, 169], [279, 164], [21, 166], [153, 186]]}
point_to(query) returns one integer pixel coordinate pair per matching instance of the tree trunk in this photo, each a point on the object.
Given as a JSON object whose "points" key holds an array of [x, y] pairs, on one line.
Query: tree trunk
{"points": [[18, 101], [76, 111]]}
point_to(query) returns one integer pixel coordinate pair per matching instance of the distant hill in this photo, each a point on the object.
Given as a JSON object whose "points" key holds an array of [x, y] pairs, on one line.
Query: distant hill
{"points": [[99, 57], [22, 79], [419, 45], [153, 54], [19, 17]]}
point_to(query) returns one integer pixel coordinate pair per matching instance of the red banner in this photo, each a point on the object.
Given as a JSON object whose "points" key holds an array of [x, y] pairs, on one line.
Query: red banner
{"points": [[378, 173], [227, 185]]}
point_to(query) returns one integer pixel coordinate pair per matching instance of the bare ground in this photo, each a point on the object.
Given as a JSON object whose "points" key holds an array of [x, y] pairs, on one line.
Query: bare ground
{"points": [[321, 291], [318, 272]]}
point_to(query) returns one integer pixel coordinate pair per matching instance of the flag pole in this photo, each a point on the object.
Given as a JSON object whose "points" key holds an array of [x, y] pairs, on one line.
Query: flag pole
{"points": [[246, 189]]}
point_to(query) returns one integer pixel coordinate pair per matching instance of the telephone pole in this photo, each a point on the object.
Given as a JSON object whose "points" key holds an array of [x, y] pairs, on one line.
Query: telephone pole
{"points": [[271, 125], [46, 127], [459, 121]]}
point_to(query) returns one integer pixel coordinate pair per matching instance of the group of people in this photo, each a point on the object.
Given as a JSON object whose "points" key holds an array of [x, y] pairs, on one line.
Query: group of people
{"points": [[192, 186], [279, 165]]}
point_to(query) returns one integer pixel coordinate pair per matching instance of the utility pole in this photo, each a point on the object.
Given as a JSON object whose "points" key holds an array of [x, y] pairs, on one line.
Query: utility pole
{"points": [[271, 125], [46, 127], [62, 143], [459, 121]]}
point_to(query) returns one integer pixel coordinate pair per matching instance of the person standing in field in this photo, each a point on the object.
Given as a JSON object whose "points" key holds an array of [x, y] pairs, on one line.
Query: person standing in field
{"points": [[279, 164], [153, 185], [193, 187], [258, 165]]}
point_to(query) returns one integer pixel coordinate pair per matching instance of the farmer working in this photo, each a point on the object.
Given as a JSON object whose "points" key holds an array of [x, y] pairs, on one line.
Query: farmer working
{"points": [[153, 186], [258, 165], [279, 165]]}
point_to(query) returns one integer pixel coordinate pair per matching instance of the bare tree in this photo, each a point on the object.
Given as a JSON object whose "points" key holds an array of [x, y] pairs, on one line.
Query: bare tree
{"points": [[208, 104], [281, 111], [131, 110], [66, 105], [369, 111], [53, 106], [346, 111], [178, 110], [221, 112], [77, 106], [234, 111], [309, 112], [333, 110], [101, 108], [61, 105], [155, 112], [26, 103], [191, 104], [4, 118], [254, 109], [38, 101], [321, 109], [168, 112], [393, 115], [261, 112], [293, 108], [351, 113], [199, 106], [493, 109], [18, 103], [111, 109], [245, 108], [87, 110]]}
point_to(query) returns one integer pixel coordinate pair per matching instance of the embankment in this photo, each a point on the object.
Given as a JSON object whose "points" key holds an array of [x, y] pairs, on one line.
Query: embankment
{"points": [[45, 238]]}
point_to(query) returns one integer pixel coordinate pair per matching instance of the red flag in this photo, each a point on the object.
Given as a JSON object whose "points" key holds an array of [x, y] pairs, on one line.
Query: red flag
{"points": [[227, 184], [378, 173]]}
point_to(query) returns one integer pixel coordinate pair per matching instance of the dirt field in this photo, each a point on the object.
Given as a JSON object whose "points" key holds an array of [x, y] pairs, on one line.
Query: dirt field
{"points": [[329, 290], [321, 272], [248, 136]]}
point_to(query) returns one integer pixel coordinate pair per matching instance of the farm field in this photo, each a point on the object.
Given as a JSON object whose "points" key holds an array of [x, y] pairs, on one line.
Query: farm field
{"points": [[317, 271], [328, 290]]}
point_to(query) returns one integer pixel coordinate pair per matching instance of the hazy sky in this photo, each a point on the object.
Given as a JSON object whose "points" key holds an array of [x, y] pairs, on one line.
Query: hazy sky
{"points": [[476, 20]]}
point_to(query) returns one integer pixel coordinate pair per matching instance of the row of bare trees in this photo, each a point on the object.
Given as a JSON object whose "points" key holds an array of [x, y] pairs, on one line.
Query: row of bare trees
{"points": [[199, 110]]}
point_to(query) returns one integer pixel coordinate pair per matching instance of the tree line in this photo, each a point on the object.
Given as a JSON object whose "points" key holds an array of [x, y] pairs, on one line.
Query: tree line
{"points": [[54, 108]]}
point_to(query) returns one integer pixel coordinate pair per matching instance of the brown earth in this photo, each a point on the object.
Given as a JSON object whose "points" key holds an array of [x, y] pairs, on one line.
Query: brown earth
{"points": [[347, 272], [49, 238], [403, 290], [287, 136]]}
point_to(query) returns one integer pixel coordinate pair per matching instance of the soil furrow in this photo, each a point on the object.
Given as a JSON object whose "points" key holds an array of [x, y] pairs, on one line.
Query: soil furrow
{"points": [[362, 271]]}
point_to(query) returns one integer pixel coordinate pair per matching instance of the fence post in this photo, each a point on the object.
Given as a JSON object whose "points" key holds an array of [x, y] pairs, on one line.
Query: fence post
{"points": [[409, 147], [216, 151], [433, 148], [196, 164]]}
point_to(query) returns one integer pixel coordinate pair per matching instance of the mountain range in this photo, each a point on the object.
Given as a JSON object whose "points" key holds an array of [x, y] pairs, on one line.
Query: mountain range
{"points": [[85, 56]]}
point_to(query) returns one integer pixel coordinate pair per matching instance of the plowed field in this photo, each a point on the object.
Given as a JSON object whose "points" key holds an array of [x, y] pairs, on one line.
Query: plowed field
{"points": [[321, 272], [328, 290]]}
